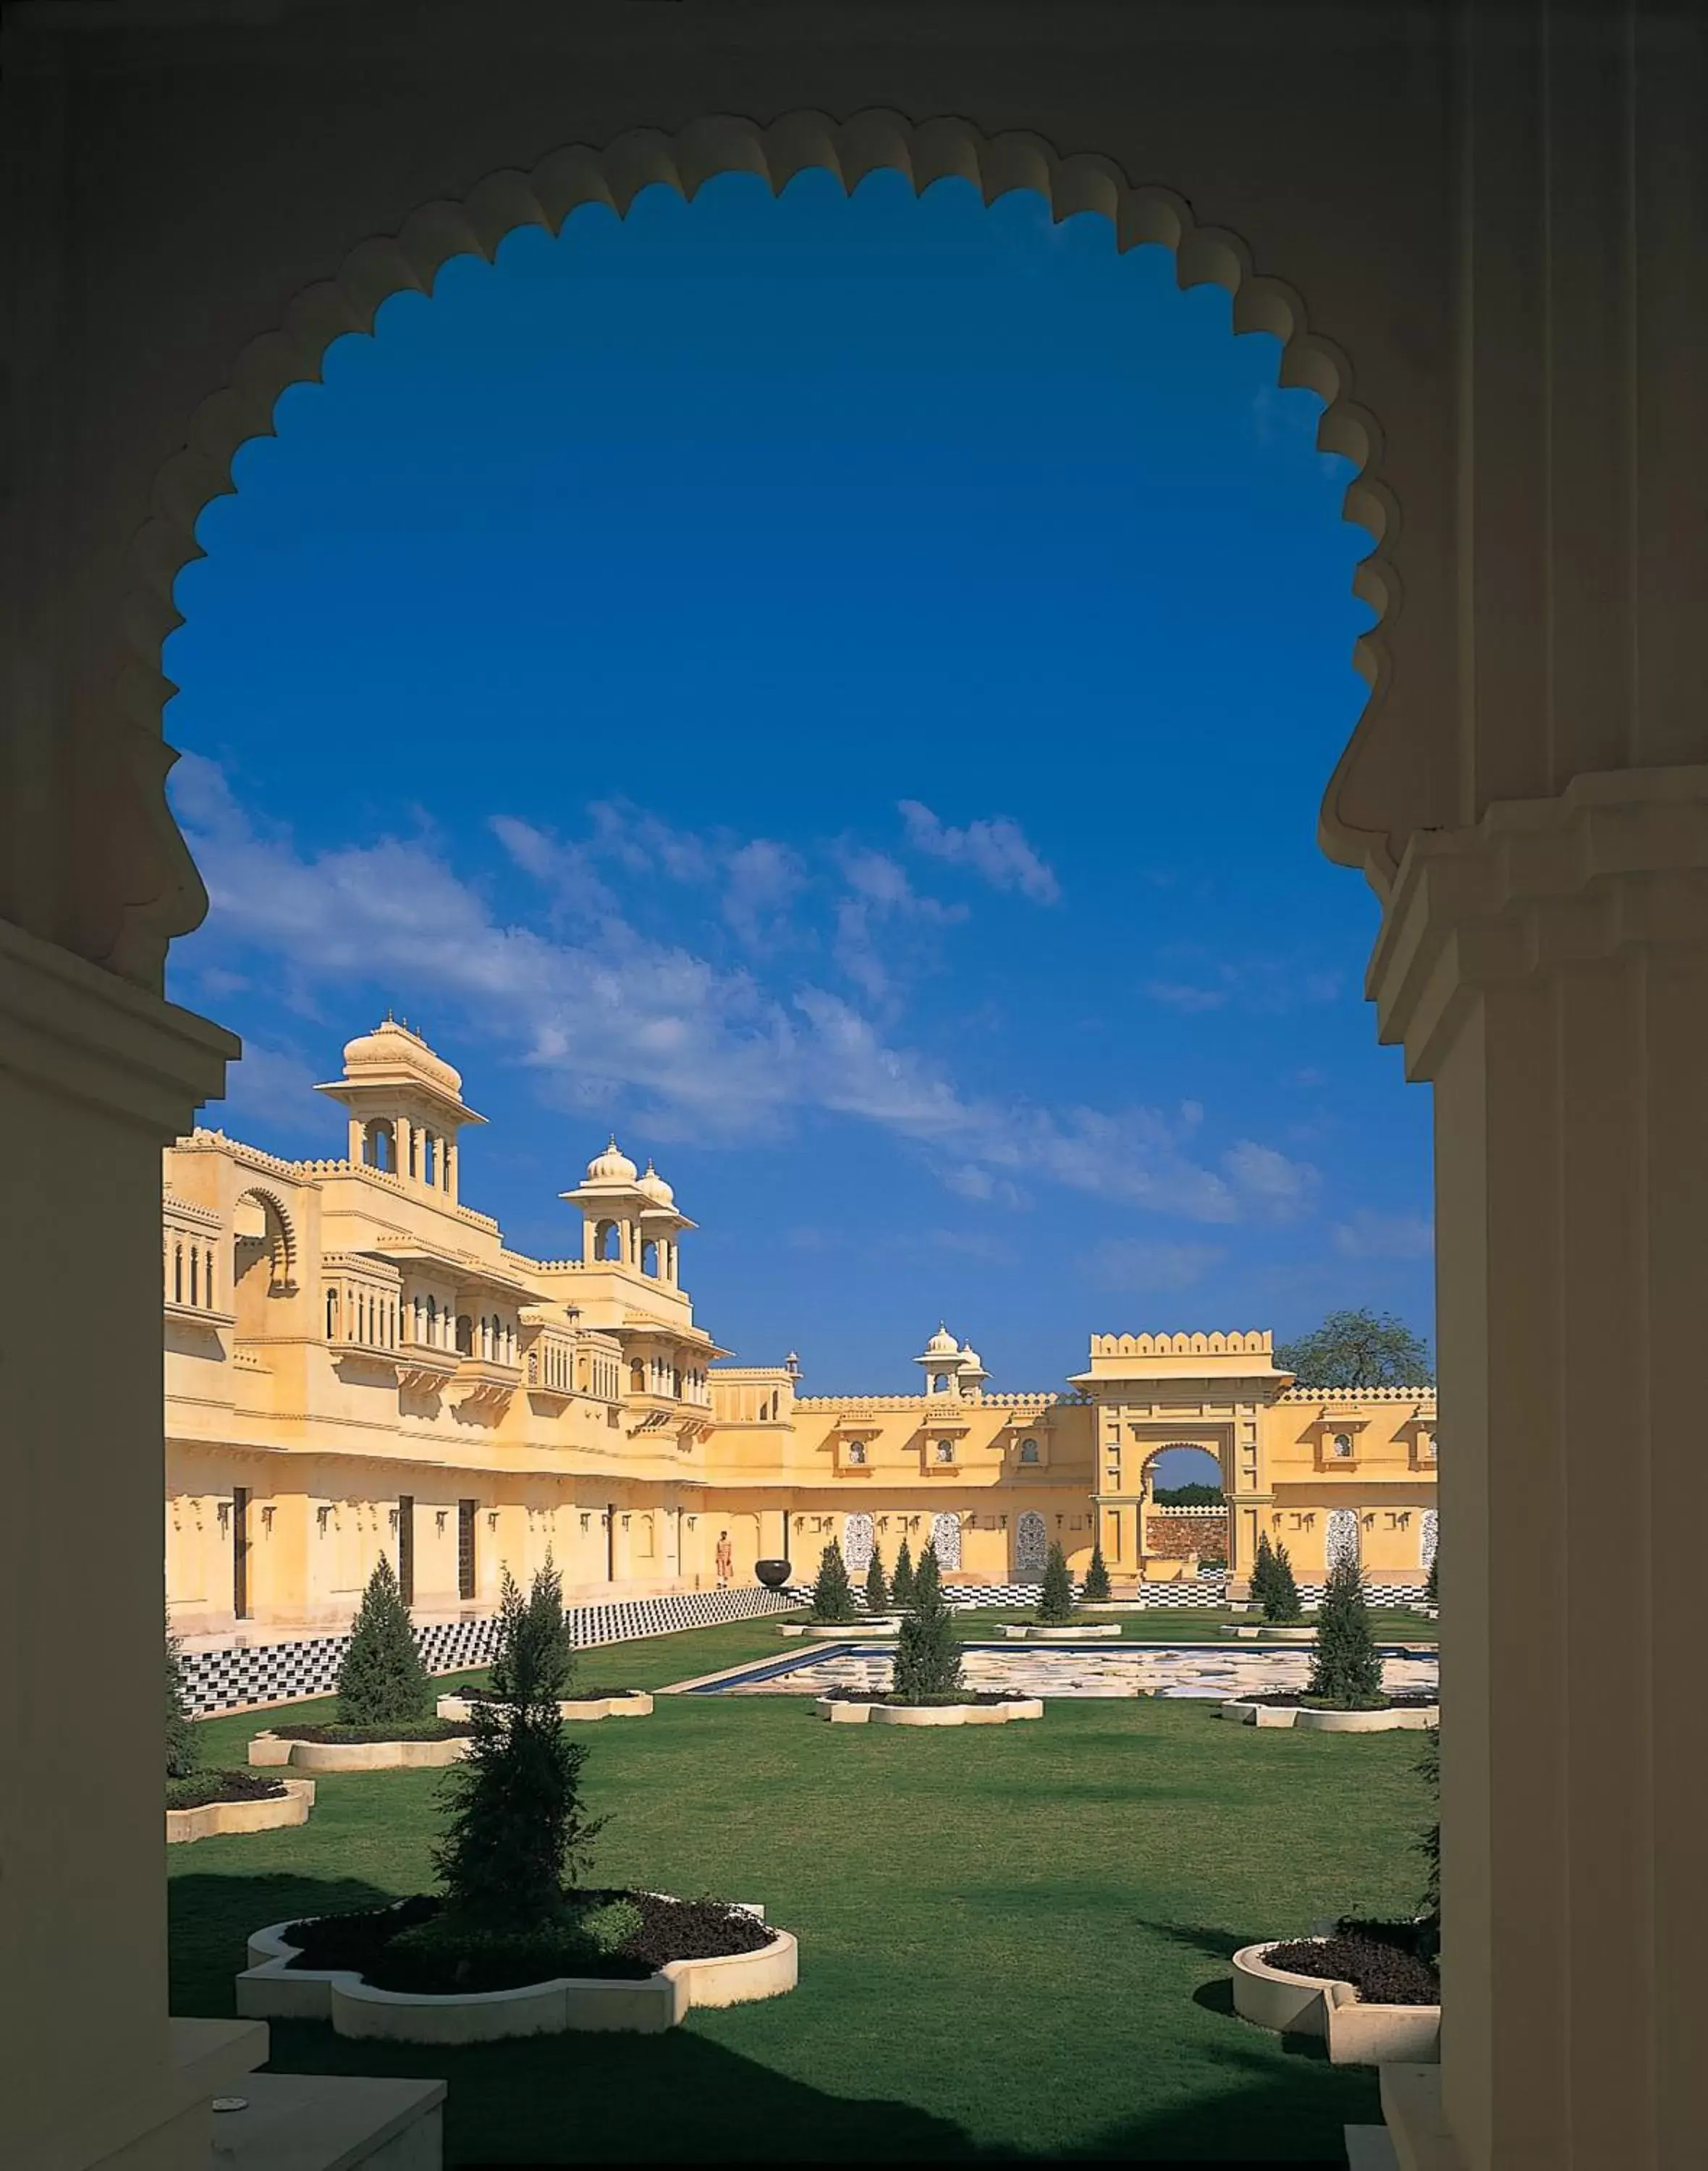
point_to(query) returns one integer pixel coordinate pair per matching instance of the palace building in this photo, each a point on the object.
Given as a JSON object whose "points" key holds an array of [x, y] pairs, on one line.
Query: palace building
{"points": [[356, 1362]]}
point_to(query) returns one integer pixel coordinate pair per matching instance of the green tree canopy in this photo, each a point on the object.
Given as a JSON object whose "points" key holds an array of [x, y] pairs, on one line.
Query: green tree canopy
{"points": [[1190, 1496], [1359, 1349], [382, 1677]]}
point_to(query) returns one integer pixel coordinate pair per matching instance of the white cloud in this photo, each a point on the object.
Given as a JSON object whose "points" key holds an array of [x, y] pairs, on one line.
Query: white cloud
{"points": [[1280, 1187], [610, 1017], [1269, 985], [1180, 997], [971, 1244], [997, 850], [1370, 1235], [1141, 1268], [762, 879]]}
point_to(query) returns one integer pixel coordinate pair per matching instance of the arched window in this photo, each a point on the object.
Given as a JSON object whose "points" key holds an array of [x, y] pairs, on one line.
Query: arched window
{"points": [[332, 1315], [429, 1157], [940, 1383], [465, 1335], [649, 1259], [1343, 1443], [1430, 1535], [1028, 1450], [1031, 1546], [178, 1274], [945, 1453], [433, 1322], [637, 1378], [856, 1450], [606, 1244], [1342, 1541]]}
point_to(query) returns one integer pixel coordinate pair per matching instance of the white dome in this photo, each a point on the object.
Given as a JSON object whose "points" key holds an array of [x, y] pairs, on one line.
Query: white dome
{"points": [[942, 1343], [970, 1360], [391, 1047], [655, 1187], [613, 1166]]}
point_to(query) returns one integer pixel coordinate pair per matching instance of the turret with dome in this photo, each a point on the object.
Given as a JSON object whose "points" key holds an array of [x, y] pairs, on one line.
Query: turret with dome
{"points": [[950, 1367], [406, 1105], [628, 1221]]}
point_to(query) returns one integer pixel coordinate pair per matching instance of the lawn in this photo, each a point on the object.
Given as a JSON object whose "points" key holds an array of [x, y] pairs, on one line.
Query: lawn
{"points": [[1014, 1941]]}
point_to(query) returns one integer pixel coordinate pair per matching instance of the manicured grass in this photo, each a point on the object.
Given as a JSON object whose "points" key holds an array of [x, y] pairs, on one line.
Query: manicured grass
{"points": [[1014, 1941]]}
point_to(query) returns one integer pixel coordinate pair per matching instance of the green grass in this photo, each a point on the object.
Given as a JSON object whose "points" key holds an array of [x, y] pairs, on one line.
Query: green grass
{"points": [[1014, 1941]]}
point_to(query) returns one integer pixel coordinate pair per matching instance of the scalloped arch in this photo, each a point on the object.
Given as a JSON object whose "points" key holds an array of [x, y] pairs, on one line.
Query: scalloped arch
{"points": [[868, 141], [284, 1243]]}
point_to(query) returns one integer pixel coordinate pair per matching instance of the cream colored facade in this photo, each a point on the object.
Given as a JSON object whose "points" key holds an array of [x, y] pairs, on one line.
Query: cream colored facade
{"points": [[357, 1364]]}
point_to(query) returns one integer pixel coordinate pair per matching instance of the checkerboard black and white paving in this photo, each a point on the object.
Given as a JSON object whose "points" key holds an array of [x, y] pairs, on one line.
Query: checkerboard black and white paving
{"points": [[226, 1678]]}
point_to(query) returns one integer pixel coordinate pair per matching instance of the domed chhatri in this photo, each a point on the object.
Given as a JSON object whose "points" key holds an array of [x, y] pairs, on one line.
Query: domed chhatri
{"points": [[402, 1055], [655, 1187], [942, 1343], [613, 1166]]}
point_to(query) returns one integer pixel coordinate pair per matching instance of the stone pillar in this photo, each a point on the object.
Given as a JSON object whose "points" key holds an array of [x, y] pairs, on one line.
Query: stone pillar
{"points": [[1548, 970], [403, 1134], [96, 1075]]}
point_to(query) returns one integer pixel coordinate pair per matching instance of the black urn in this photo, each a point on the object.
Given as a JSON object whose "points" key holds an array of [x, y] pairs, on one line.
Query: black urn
{"points": [[772, 1573]]}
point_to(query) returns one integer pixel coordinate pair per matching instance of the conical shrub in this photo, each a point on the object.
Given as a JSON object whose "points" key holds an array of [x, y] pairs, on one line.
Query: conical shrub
{"points": [[1262, 1571], [1096, 1591], [1282, 1606], [517, 1834], [382, 1678], [1055, 1602], [1431, 1589], [928, 1653], [832, 1598], [901, 1582], [877, 1588], [1347, 1668], [183, 1751]]}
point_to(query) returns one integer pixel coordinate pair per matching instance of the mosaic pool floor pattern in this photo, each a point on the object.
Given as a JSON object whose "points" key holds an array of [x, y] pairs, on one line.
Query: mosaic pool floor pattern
{"points": [[1067, 1670]]}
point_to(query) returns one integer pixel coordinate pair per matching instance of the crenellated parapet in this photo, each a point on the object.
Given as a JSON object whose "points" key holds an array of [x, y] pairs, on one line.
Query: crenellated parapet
{"points": [[1252, 1344]]}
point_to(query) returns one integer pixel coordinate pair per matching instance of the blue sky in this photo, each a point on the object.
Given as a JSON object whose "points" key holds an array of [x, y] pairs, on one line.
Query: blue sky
{"points": [[837, 690]]}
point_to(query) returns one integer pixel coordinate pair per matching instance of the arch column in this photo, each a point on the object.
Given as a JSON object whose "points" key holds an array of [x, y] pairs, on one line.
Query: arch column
{"points": [[1548, 971]]}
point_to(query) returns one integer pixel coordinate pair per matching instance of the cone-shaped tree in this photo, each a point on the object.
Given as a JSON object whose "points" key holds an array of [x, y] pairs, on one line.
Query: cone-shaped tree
{"points": [[901, 1582], [1262, 1570], [927, 1654], [517, 1833], [1281, 1603], [1347, 1668], [382, 1677], [183, 1753], [1429, 1841], [1430, 1589], [833, 1599], [1096, 1591], [1055, 1601], [877, 1589]]}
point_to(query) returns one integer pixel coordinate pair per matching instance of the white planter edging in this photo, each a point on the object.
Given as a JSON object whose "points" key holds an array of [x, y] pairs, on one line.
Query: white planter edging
{"points": [[271, 1989], [1266, 1634], [1407, 1718], [268, 1749], [882, 1624], [1358, 2033], [212, 1818], [1029, 1632], [840, 1712], [578, 1708]]}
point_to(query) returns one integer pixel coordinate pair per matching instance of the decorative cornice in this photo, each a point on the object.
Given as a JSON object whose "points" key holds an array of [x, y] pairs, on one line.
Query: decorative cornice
{"points": [[1617, 861]]}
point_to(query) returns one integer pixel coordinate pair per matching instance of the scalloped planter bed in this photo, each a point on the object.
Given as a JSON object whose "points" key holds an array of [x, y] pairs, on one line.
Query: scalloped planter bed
{"points": [[267, 1750], [271, 1989], [844, 1711], [884, 1624], [1027, 1632], [1261, 1631], [1358, 2033], [213, 1818], [1401, 1719], [636, 1704]]}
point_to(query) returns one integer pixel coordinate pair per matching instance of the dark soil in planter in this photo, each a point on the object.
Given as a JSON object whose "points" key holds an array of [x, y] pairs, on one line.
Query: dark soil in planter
{"points": [[1382, 1969], [953, 1697], [205, 1787], [1408, 1700], [399, 1729], [485, 1960]]}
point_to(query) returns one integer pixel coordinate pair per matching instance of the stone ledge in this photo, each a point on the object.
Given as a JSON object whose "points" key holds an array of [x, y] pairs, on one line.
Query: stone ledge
{"points": [[1358, 2033], [268, 1750], [578, 1708], [841, 1712], [1407, 1718], [270, 1988], [882, 1624], [1027, 1632], [317, 2122], [213, 1818]]}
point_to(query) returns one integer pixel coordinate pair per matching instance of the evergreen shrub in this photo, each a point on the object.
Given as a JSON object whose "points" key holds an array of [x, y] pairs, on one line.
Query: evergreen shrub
{"points": [[1430, 1590], [1281, 1608], [183, 1751], [928, 1653], [901, 1582], [1345, 1667], [1263, 1573], [1055, 1602], [833, 1596], [877, 1589], [517, 1835], [382, 1676], [1096, 1591]]}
